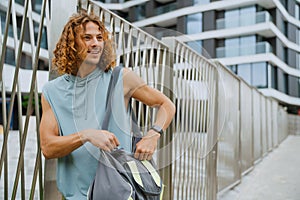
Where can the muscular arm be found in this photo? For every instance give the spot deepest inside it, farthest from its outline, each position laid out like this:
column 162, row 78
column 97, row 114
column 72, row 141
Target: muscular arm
column 136, row 88
column 54, row 146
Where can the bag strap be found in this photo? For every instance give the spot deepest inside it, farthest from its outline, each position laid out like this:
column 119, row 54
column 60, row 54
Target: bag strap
column 108, row 107
column 111, row 87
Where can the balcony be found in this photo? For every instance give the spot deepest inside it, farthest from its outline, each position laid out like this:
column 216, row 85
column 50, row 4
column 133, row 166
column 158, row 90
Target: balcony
column 244, row 20
column 258, row 48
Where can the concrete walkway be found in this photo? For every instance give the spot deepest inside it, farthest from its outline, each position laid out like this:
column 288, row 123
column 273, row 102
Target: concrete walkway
column 276, row 177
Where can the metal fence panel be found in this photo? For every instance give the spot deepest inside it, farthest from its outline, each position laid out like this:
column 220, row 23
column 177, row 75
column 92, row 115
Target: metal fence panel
column 269, row 125
column 194, row 137
column 263, row 122
column 246, row 127
column 228, row 168
column 257, row 132
column 275, row 122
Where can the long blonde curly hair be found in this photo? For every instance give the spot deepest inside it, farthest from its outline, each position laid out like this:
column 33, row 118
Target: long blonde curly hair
column 68, row 57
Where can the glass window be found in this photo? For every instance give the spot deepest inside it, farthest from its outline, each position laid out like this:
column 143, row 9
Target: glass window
column 201, row 2
column 281, row 81
column 26, row 61
column 231, row 18
column 21, row 2
column 247, row 45
column 194, row 23
column 274, row 77
column 37, row 5
column 233, row 68
column 196, row 45
column 293, row 86
column 259, row 75
column 44, row 43
column 298, row 61
column 244, row 71
column 298, row 36
column 297, row 13
column 10, row 57
column 231, row 47
column 141, row 12
column 3, row 20
column 247, row 16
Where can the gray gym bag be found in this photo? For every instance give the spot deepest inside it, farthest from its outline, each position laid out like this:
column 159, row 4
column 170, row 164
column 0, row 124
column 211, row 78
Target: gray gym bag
column 119, row 175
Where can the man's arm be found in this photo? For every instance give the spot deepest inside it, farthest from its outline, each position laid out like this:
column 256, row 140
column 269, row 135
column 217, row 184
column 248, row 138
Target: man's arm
column 54, row 146
column 134, row 87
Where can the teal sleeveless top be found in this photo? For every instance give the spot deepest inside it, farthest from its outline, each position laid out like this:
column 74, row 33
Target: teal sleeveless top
column 78, row 104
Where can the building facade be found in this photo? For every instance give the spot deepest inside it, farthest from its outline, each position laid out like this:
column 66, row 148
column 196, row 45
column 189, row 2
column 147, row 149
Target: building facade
column 258, row 40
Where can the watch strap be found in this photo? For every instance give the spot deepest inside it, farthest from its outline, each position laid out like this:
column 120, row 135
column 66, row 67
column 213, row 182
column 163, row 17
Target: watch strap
column 157, row 129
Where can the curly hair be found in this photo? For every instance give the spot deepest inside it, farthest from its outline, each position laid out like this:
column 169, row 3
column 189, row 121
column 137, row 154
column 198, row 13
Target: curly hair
column 68, row 57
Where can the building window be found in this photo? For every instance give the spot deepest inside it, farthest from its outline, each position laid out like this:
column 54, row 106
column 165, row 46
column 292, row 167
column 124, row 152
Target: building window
column 44, row 43
column 37, row 5
column 166, row 8
column 233, row 68
column 194, row 23
column 247, row 45
column 274, row 78
column 244, row 71
column 231, row 47
column 297, row 11
column 293, row 83
column 10, row 57
column 282, row 81
column 141, row 12
column 196, row 45
column 26, row 61
column 298, row 61
column 255, row 74
column 259, row 75
column 201, row 2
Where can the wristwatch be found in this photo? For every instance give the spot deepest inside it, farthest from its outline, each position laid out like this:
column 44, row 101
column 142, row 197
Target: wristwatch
column 157, row 129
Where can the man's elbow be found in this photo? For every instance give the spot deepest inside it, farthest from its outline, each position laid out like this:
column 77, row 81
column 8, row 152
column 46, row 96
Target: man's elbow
column 47, row 153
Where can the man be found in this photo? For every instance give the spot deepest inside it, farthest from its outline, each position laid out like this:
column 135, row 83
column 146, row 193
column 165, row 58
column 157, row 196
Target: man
column 74, row 106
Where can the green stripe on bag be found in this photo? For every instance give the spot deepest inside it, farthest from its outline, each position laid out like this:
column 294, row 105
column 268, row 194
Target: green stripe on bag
column 135, row 172
column 153, row 172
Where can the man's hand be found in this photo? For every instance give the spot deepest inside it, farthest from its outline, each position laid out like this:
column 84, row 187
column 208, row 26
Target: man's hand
column 146, row 147
column 100, row 138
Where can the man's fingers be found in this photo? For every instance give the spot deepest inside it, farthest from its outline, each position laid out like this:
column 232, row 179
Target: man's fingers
column 116, row 141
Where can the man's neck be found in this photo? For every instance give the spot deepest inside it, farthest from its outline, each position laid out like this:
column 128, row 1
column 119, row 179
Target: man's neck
column 85, row 70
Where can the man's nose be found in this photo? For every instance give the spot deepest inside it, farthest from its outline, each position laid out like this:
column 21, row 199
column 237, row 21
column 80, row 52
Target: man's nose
column 95, row 41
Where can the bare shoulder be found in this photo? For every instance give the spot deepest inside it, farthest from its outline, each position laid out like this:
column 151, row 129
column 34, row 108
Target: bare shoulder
column 131, row 81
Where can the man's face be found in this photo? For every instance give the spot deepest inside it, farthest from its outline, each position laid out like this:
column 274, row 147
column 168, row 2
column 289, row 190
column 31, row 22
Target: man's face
column 93, row 39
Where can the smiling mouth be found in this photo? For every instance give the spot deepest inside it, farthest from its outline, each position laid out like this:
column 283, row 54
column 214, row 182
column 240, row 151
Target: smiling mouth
column 94, row 51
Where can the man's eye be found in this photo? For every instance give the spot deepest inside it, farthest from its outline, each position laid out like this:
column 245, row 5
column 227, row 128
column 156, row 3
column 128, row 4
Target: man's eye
column 99, row 38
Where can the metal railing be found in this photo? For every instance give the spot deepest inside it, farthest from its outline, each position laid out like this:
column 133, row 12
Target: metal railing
column 195, row 132
column 218, row 134
column 21, row 190
column 254, row 125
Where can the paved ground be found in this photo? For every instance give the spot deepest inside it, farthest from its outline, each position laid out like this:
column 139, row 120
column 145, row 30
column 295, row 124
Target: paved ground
column 276, row 177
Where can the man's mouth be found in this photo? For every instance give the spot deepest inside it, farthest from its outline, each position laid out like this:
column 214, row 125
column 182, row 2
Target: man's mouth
column 97, row 51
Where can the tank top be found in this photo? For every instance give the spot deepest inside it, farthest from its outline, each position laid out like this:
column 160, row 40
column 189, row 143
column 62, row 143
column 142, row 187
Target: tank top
column 78, row 104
